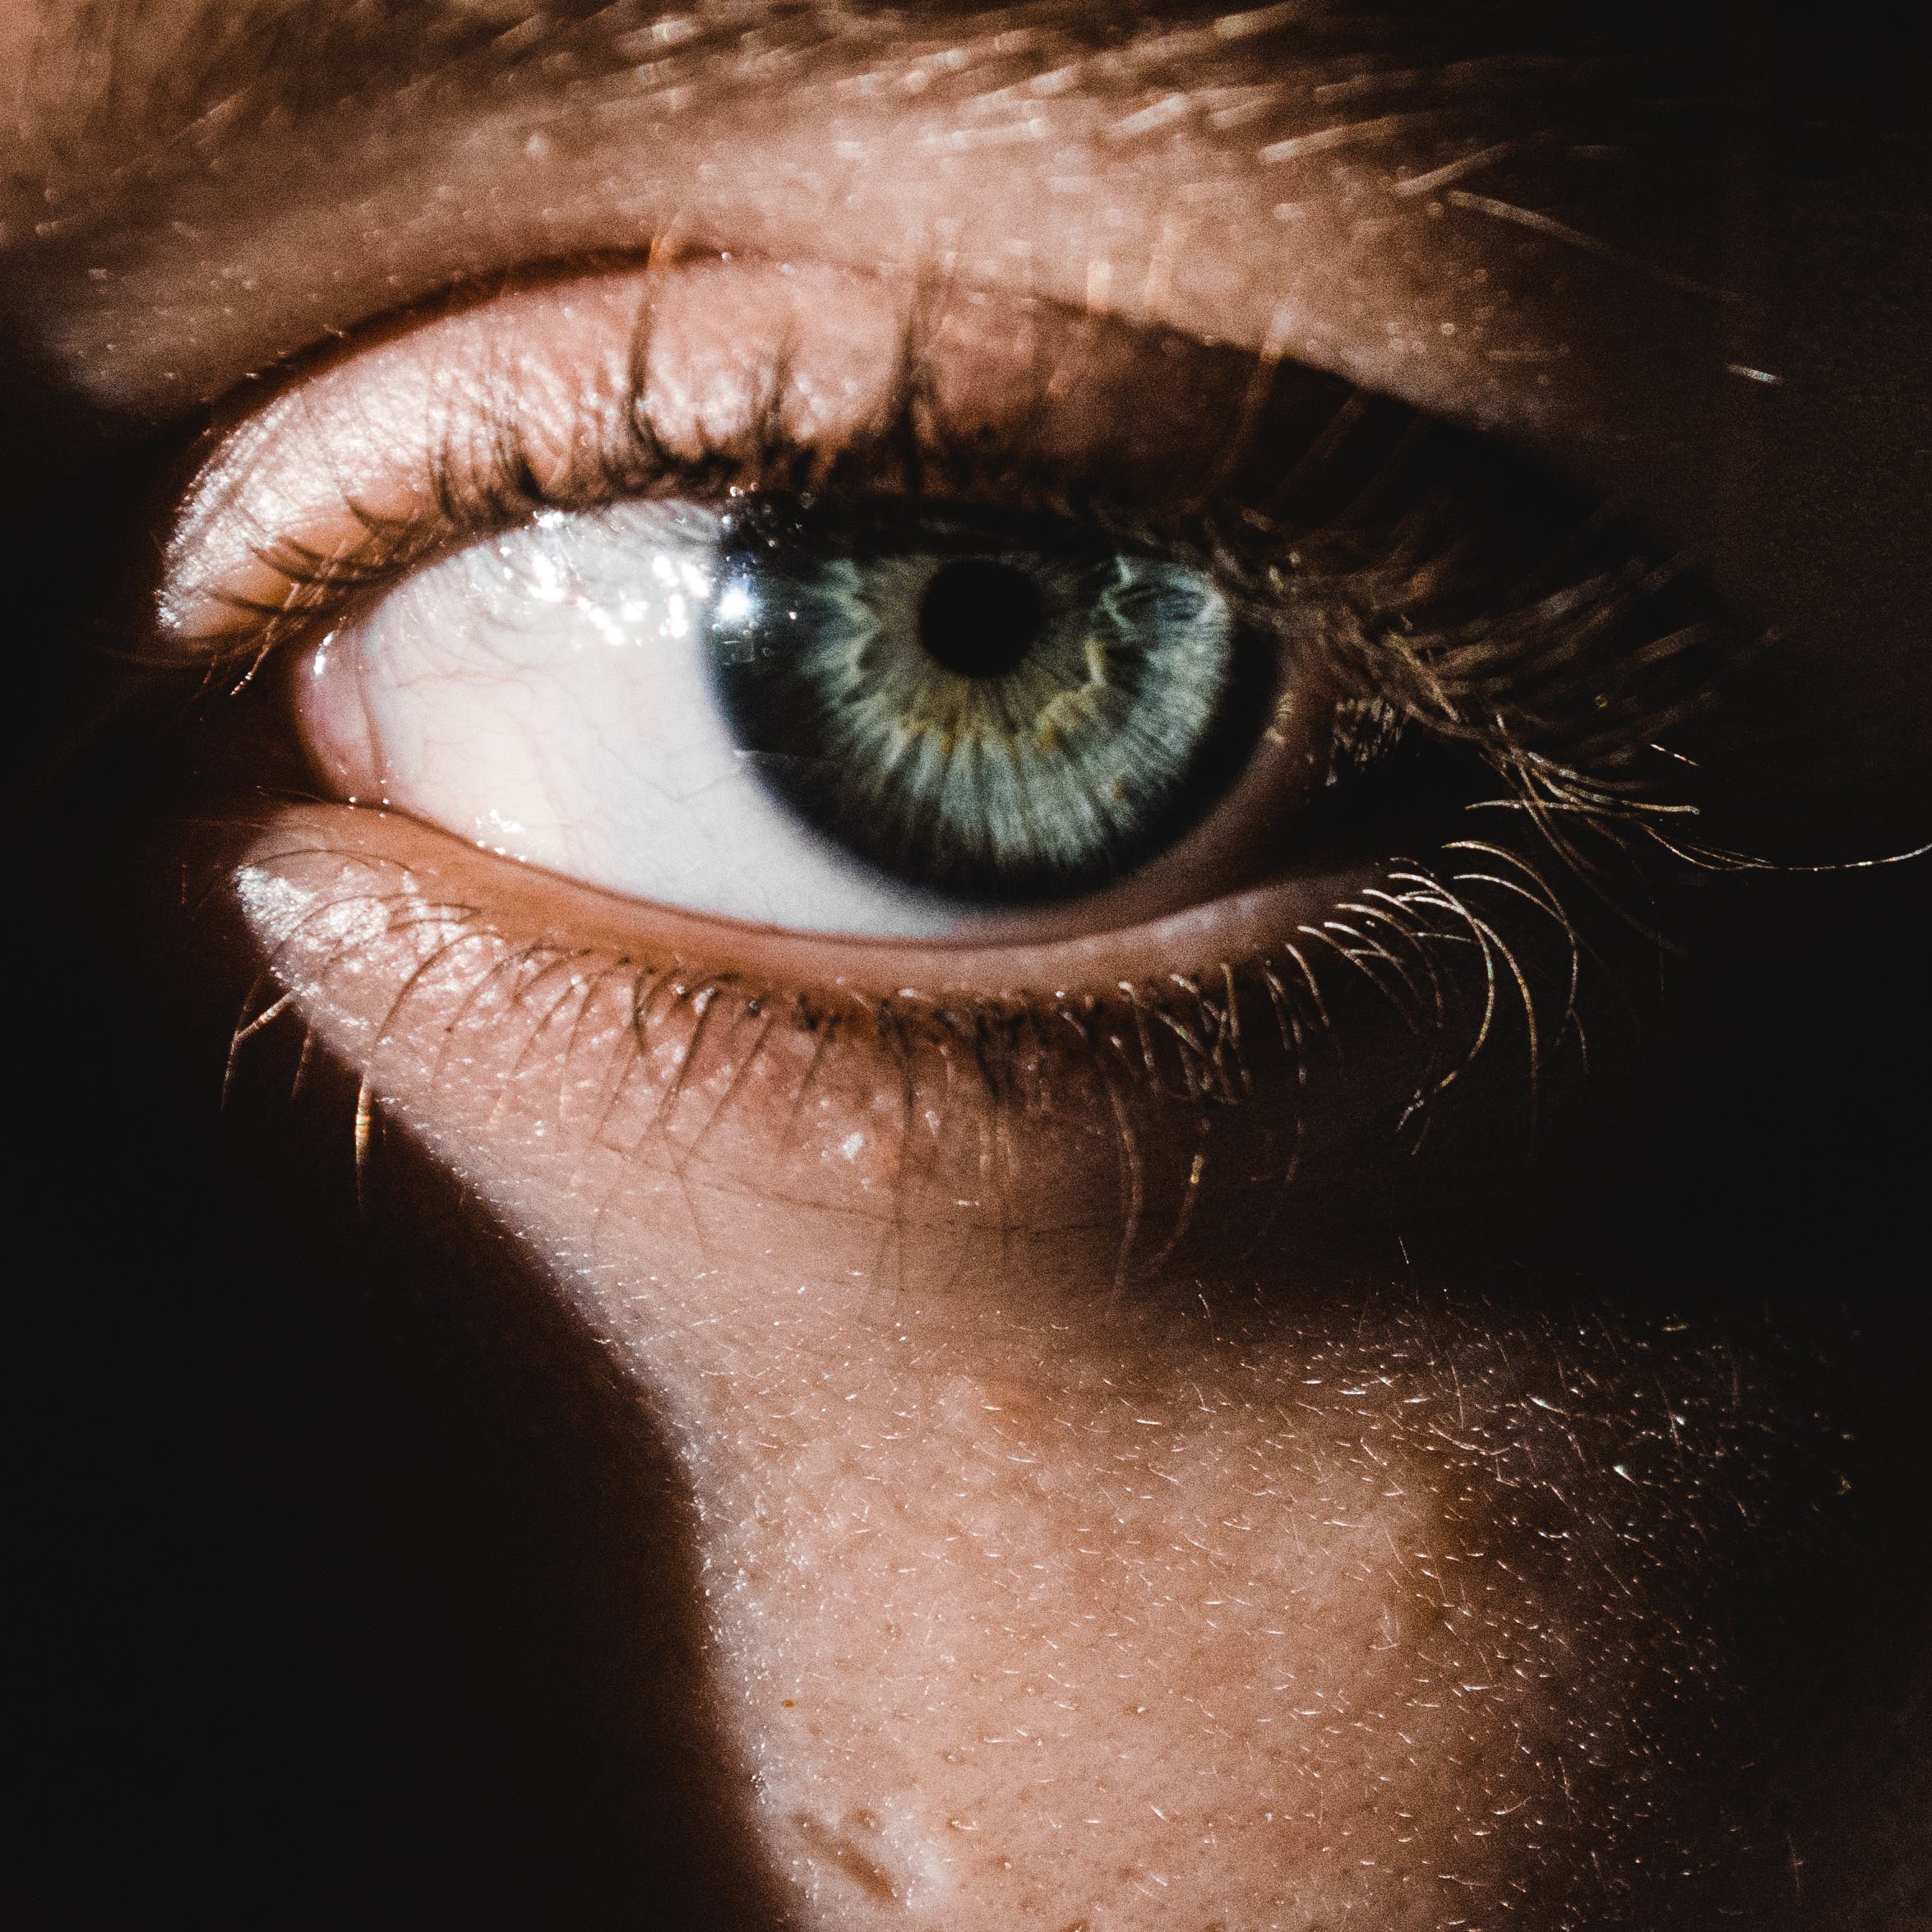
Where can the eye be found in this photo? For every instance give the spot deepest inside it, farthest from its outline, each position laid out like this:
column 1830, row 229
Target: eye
column 784, row 596
column 1005, row 715
column 872, row 718
column 1019, row 703
column 777, row 596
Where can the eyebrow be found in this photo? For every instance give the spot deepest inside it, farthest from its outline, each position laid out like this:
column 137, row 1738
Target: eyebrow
column 122, row 83
column 135, row 91
column 186, row 212
column 91, row 76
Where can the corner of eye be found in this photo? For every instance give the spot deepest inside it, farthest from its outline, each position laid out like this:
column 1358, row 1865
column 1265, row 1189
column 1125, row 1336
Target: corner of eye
column 206, row 616
column 188, row 624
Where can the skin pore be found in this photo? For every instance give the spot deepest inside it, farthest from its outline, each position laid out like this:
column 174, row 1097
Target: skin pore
column 1423, row 1558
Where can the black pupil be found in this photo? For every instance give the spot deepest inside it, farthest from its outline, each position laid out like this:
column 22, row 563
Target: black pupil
column 980, row 618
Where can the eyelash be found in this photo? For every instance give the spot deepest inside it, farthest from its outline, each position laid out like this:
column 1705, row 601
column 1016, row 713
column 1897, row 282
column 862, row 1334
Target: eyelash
column 1558, row 671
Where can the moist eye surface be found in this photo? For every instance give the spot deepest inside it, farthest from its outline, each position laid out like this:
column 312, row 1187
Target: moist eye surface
column 893, row 718
column 999, row 712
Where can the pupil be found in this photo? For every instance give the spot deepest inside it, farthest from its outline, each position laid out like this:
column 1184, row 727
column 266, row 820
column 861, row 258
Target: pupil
column 979, row 619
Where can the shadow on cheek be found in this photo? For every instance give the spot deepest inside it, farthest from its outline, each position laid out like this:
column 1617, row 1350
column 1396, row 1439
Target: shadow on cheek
column 1535, row 1568
column 1415, row 1582
column 541, row 1541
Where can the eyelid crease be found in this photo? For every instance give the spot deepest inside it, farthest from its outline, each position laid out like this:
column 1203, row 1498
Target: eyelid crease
column 821, row 388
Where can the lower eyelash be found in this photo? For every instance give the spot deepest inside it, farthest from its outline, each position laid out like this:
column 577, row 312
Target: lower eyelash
column 1220, row 1088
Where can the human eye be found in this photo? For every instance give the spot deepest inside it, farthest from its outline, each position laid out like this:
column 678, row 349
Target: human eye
column 942, row 665
column 845, row 720
column 857, row 676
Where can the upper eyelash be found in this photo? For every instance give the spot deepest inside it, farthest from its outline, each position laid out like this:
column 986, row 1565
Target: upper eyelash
column 1561, row 680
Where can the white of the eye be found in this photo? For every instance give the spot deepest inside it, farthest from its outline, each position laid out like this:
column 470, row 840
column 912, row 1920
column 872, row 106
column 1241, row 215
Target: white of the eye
column 547, row 694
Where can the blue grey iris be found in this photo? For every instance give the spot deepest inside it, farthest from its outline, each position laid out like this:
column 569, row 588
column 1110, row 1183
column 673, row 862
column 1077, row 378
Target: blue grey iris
column 996, row 717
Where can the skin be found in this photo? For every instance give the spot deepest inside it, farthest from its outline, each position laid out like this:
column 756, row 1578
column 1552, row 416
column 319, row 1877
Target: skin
column 1433, row 1562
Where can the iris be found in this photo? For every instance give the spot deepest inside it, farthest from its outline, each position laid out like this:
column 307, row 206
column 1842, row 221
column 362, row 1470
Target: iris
column 1003, row 712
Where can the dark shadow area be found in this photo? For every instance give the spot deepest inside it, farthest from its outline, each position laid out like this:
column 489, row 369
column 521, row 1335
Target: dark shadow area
column 353, row 1590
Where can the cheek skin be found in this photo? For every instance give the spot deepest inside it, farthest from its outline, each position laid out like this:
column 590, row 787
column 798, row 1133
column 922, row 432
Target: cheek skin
column 1031, row 1603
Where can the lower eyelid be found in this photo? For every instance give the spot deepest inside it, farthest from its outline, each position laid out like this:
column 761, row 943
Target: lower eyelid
column 1109, row 1130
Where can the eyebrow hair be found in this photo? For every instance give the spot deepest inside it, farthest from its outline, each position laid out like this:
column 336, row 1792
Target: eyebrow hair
column 170, row 132
column 101, row 88
column 140, row 86
column 122, row 77
column 97, row 75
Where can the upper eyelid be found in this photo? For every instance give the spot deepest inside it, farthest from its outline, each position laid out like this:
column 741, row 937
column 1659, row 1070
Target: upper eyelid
column 188, row 306
column 458, row 414
column 248, row 496
column 429, row 410
column 443, row 460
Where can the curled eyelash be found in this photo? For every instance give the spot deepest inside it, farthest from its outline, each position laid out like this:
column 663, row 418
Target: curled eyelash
column 1224, row 1098
column 1440, row 588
